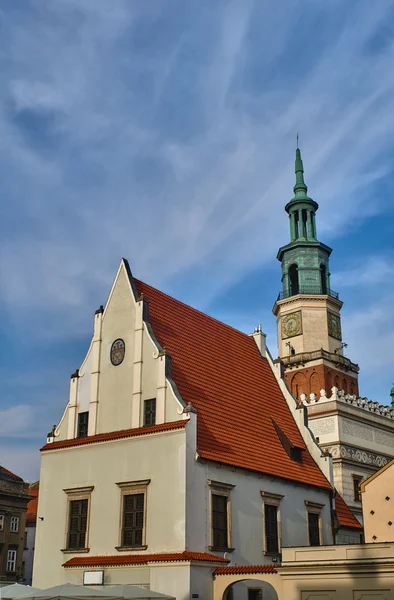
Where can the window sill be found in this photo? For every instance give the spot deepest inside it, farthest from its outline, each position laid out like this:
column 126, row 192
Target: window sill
column 274, row 554
column 128, row 548
column 75, row 550
column 214, row 549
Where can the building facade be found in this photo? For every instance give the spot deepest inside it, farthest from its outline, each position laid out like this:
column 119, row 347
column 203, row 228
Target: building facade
column 307, row 309
column 359, row 435
column 30, row 534
column 14, row 497
column 180, row 449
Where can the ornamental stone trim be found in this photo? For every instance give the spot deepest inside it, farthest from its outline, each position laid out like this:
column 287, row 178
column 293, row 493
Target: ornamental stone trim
column 342, row 396
column 322, row 426
column 364, row 457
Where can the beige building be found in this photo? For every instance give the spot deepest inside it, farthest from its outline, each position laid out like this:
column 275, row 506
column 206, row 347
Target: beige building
column 180, row 449
column 377, row 493
column 363, row 572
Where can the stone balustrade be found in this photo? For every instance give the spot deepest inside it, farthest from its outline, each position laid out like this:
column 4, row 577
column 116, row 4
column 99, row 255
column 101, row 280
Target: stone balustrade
column 341, row 396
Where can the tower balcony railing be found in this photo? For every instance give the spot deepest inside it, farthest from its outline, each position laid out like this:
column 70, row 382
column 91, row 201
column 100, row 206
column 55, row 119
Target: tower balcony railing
column 308, row 290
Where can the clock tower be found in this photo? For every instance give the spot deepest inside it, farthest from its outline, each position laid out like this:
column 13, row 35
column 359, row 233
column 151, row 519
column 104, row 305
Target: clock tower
column 307, row 309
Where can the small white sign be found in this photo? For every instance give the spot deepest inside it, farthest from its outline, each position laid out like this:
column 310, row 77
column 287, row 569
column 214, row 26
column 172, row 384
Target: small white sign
column 94, row 577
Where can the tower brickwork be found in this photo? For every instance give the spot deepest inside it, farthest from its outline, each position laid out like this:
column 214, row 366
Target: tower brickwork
column 307, row 309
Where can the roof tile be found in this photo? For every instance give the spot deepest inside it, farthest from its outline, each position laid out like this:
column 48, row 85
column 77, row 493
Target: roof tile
column 222, row 373
column 115, row 435
column 139, row 559
column 245, row 570
column 345, row 516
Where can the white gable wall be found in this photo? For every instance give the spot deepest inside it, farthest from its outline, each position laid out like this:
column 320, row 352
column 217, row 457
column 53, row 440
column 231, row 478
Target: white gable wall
column 115, row 395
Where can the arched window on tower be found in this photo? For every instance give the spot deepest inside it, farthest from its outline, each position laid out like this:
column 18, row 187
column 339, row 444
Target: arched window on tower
column 304, row 232
column 352, row 388
column 336, row 382
column 314, row 384
column 344, row 385
column 323, row 279
column 299, row 385
column 296, row 225
column 293, row 277
column 329, row 382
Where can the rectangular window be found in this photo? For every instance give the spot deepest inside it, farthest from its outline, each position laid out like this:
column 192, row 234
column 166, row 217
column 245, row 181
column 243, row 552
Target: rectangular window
column 25, row 541
column 150, row 412
column 11, row 561
column 83, row 422
column 1, row 522
column 77, row 524
column 314, row 528
column 14, row 527
column 356, row 487
column 133, row 520
column 271, row 521
column 271, row 529
column 220, row 512
column 219, row 521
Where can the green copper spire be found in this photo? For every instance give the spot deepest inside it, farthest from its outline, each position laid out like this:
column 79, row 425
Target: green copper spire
column 305, row 260
column 300, row 185
column 300, row 188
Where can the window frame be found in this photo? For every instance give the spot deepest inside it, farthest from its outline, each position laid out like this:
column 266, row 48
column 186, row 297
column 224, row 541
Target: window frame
column 129, row 488
column 144, row 423
column 272, row 500
column 218, row 488
column 75, row 494
column 11, row 561
column 2, row 522
column 357, row 494
column 315, row 509
column 83, row 412
column 14, row 524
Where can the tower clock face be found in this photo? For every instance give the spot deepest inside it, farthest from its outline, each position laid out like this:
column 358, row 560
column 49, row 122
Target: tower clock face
column 117, row 353
column 334, row 326
column 291, row 324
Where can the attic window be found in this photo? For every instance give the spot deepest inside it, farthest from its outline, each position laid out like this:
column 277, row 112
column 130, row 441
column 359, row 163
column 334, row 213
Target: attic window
column 295, row 452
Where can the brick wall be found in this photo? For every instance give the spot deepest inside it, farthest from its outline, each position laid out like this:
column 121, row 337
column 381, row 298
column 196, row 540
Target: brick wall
column 312, row 379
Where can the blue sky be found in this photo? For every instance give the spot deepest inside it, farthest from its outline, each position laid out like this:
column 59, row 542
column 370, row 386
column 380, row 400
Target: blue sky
column 164, row 132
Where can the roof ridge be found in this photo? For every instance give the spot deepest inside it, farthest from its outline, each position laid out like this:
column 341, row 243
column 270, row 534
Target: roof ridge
column 197, row 310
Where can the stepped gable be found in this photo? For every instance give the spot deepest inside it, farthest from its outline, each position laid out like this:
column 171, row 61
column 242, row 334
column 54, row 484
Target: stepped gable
column 238, row 399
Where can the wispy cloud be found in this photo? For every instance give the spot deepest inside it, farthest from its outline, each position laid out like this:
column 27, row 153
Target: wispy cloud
column 17, row 421
column 164, row 132
column 369, row 270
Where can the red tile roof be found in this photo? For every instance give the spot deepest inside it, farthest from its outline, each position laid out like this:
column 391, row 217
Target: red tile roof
column 31, row 515
column 345, row 516
column 245, row 570
column 9, row 474
column 140, row 559
column 222, row 373
column 115, row 435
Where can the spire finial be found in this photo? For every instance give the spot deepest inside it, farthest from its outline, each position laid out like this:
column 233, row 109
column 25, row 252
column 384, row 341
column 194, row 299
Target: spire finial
column 300, row 186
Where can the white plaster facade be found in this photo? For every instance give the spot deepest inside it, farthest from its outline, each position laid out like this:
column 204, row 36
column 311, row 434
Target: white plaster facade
column 177, row 481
